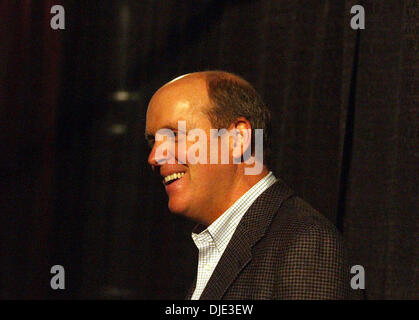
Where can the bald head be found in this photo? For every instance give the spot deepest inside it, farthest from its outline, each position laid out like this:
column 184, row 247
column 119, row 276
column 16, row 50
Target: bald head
column 184, row 97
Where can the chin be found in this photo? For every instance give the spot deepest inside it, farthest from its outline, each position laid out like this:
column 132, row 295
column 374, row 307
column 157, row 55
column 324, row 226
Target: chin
column 180, row 208
column 176, row 207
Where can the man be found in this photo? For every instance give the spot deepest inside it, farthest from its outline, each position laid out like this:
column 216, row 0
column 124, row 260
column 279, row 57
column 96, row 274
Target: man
column 256, row 238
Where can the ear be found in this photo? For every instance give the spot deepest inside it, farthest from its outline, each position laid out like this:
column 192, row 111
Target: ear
column 242, row 137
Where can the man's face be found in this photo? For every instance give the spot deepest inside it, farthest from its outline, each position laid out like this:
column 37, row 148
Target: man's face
column 201, row 188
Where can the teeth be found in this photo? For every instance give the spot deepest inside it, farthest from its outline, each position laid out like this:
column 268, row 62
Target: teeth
column 173, row 176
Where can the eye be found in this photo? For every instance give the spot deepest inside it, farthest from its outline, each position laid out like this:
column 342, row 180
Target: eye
column 175, row 135
column 150, row 143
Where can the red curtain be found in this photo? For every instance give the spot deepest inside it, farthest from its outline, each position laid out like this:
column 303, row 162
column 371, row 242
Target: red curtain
column 29, row 62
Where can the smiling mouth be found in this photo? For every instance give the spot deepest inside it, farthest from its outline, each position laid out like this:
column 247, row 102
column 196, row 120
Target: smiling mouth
column 173, row 177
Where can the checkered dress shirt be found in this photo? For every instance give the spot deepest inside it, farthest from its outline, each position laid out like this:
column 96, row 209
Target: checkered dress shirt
column 212, row 241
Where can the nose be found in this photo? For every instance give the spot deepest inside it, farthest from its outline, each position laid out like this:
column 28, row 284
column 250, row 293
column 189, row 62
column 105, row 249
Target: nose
column 159, row 155
column 152, row 161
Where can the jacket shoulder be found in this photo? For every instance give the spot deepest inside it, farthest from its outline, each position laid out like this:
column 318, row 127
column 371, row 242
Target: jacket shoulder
column 306, row 254
column 296, row 218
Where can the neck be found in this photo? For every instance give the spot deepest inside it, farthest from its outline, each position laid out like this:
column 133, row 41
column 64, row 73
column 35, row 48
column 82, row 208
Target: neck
column 241, row 183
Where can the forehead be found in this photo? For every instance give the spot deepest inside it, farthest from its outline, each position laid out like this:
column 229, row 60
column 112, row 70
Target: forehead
column 185, row 99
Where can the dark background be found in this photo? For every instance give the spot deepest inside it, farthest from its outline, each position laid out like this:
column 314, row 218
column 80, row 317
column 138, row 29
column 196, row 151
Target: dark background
column 75, row 186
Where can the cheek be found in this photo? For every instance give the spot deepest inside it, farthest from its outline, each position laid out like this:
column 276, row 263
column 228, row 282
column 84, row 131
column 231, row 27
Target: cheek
column 201, row 174
column 181, row 151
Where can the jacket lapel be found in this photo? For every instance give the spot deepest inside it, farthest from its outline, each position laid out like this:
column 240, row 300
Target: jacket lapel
column 250, row 229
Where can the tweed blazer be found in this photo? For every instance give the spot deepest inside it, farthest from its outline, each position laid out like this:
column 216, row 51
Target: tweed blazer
column 281, row 249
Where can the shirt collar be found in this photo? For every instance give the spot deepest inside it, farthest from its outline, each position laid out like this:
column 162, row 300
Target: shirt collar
column 222, row 229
